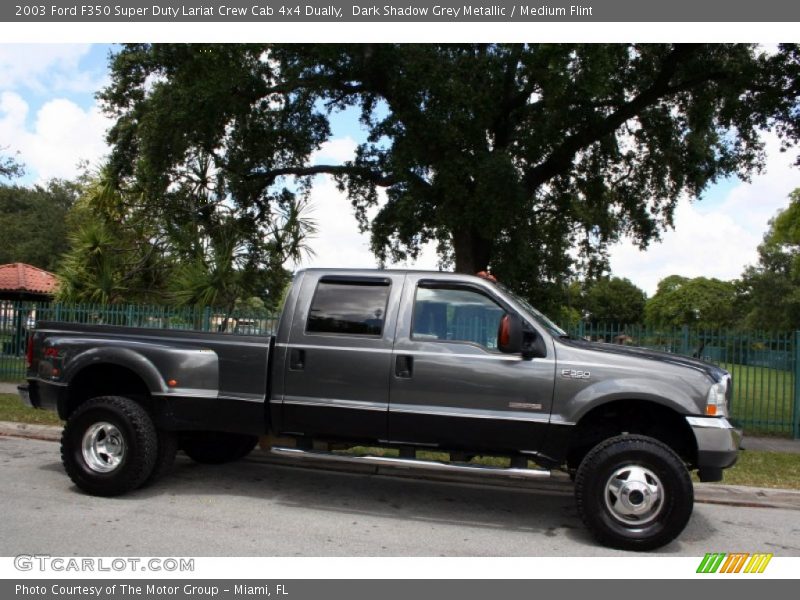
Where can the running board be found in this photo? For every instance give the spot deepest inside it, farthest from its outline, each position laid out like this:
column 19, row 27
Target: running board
column 408, row 463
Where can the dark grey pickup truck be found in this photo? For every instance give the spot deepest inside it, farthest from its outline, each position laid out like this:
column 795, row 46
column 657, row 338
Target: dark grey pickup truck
column 407, row 360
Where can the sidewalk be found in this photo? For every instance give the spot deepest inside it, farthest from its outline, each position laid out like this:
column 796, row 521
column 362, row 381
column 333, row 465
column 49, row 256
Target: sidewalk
column 771, row 444
column 8, row 388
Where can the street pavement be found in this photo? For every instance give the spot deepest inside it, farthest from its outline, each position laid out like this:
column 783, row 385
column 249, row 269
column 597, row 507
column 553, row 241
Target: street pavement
column 257, row 508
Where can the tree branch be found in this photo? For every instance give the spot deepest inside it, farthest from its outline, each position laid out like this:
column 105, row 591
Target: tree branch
column 561, row 157
column 379, row 179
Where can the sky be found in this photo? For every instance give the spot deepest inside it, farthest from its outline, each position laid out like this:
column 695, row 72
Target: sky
column 49, row 115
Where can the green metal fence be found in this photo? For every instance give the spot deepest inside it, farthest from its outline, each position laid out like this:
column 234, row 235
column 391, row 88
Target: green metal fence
column 765, row 367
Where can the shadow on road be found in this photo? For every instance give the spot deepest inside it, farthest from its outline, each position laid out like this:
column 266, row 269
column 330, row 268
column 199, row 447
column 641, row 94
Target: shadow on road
column 400, row 499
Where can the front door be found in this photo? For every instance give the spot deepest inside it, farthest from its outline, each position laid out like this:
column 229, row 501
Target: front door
column 450, row 384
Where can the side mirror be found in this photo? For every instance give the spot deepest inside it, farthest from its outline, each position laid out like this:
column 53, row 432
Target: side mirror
column 515, row 337
column 533, row 345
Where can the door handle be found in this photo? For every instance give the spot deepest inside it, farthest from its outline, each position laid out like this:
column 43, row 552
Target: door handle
column 404, row 366
column 297, row 359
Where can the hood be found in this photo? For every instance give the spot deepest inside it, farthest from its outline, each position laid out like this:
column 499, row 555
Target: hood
column 713, row 371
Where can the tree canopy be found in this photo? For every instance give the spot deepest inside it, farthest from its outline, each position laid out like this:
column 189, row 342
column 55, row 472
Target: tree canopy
column 770, row 290
column 191, row 249
column 506, row 155
column 701, row 302
column 33, row 223
column 614, row 300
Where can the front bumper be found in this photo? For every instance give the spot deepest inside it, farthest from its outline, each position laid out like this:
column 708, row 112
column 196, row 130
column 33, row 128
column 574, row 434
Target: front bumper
column 717, row 445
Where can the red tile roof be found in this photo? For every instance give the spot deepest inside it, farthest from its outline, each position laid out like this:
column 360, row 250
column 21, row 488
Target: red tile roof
column 19, row 277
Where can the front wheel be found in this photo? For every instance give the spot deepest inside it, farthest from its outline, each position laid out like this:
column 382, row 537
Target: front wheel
column 634, row 493
column 109, row 446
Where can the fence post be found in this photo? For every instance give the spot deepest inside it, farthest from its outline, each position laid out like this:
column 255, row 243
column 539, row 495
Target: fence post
column 207, row 318
column 685, row 340
column 796, row 408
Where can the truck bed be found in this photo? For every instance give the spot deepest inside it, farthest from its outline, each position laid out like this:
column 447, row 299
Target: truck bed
column 200, row 376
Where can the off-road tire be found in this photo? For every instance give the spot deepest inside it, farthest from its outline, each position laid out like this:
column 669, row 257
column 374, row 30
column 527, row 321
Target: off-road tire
column 165, row 455
column 603, row 472
column 134, row 436
column 215, row 447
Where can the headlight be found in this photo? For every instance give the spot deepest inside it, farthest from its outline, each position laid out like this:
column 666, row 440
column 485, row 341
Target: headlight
column 716, row 405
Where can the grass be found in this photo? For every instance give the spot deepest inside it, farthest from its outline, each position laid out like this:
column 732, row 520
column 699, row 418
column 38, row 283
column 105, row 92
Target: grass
column 12, row 409
column 765, row 469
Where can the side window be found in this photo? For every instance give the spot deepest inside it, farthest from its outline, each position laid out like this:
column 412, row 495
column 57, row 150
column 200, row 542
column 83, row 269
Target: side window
column 456, row 315
column 356, row 307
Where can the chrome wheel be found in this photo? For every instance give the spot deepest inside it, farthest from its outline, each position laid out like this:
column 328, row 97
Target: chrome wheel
column 103, row 447
column 634, row 495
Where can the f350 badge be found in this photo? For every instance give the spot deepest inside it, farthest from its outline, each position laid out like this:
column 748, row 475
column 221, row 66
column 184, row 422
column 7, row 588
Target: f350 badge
column 575, row 374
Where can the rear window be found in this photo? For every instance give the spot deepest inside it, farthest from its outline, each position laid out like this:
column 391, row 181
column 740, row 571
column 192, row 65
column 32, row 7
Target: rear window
column 349, row 307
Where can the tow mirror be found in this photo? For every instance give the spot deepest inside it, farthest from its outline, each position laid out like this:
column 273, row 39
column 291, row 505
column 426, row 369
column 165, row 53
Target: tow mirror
column 533, row 345
column 515, row 337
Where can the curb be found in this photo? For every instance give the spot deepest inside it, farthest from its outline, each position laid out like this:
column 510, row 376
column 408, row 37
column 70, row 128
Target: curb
column 48, row 433
column 558, row 484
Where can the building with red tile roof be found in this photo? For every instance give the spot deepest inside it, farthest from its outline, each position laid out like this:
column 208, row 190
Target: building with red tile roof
column 19, row 281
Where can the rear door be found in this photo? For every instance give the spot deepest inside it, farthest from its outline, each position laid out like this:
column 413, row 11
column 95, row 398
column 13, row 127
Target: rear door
column 337, row 362
column 451, row 386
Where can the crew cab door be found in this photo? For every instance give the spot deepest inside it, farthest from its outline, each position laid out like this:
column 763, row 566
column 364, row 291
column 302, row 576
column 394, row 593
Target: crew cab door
column 337, row 362
column 450, row 385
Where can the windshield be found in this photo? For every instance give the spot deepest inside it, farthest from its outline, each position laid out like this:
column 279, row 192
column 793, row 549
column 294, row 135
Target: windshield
column 537, row 316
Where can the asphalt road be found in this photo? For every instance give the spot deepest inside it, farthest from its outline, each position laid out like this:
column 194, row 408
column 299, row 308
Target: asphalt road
column 255, row 509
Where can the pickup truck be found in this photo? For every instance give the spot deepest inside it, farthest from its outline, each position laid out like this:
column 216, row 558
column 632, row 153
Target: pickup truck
column 406, row 360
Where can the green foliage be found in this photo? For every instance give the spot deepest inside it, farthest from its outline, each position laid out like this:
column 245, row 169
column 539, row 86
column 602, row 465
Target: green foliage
column 503, row 154
column 770, row 291
column 700, row 302
column 114, row 255
column 187, row 246
column 614, row 300
column 33, row 223
column 9, row 167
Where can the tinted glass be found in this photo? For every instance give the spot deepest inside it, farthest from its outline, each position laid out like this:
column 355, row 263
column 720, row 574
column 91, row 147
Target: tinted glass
column 345, row 307
column 456, row 315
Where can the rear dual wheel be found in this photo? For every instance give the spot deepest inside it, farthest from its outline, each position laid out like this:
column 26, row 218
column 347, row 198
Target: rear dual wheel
column 110, row 446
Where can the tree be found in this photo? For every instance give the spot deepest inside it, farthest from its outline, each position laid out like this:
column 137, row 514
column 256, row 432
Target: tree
column 116, row 255
column 700, row 302
column 33, row 223
column 9, row 167
column 504, row 155
column 614, row 300
column 770, row 290
column 188, row 246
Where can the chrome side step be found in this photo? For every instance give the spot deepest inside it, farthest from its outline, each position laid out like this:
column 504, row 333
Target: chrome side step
column 408, row 463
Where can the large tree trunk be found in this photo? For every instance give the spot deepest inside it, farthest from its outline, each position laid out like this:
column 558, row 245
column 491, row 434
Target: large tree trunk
column 472, row 251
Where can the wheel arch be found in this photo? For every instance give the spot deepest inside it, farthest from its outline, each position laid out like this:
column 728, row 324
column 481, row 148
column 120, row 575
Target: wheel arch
column 633, row 416
column 104, row 379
